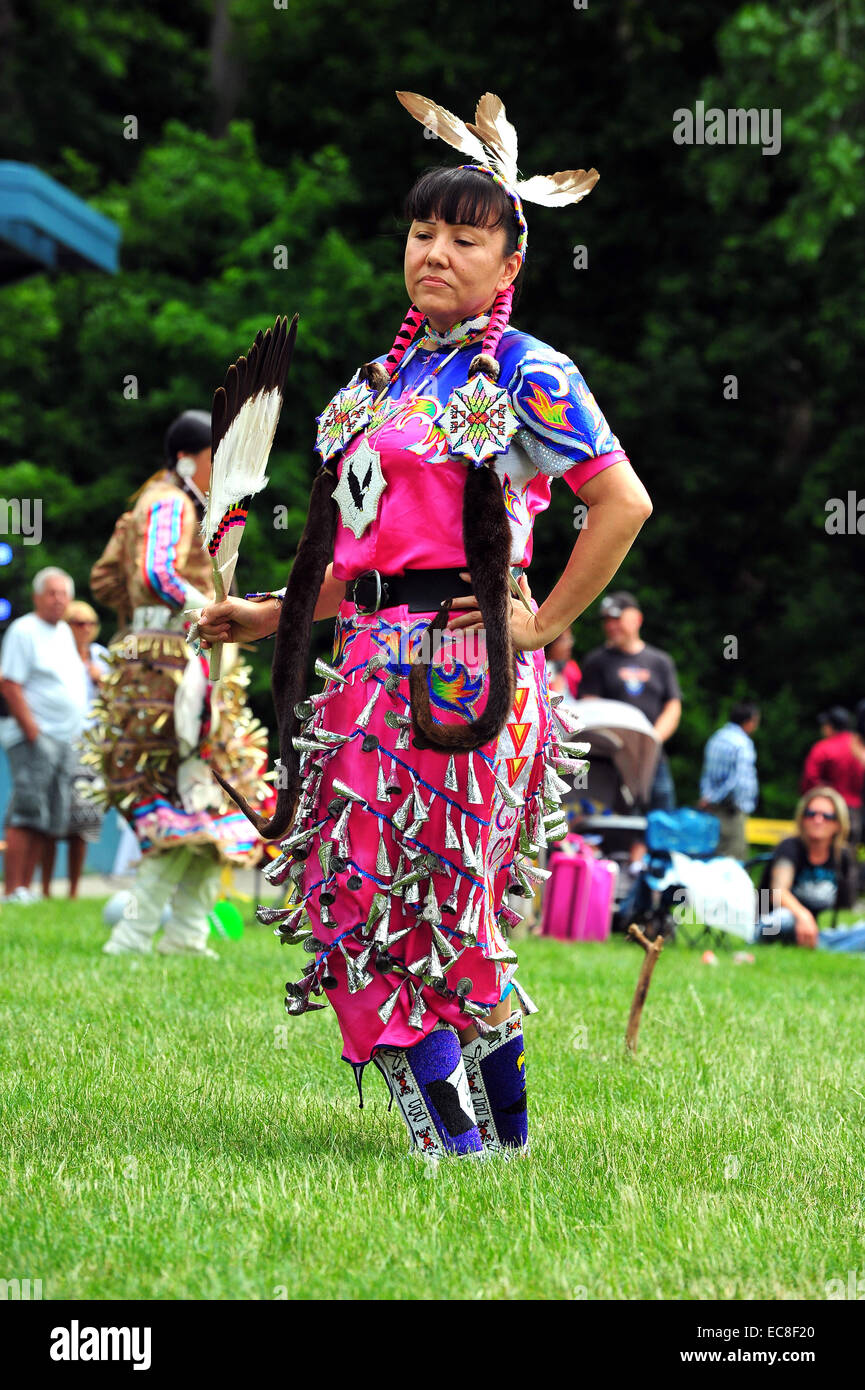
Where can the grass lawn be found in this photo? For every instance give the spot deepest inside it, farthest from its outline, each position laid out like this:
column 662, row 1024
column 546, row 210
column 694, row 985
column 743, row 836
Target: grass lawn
column 169, row 1133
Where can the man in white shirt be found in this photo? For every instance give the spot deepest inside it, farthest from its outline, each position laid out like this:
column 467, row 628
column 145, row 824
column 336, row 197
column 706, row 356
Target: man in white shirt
column 45, row 688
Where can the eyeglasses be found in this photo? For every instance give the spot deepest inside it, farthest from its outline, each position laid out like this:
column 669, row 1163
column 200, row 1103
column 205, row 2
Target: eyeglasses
column 823, row 815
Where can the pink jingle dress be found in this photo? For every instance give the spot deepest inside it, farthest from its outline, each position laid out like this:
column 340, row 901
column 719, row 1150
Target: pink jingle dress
column 402, row 871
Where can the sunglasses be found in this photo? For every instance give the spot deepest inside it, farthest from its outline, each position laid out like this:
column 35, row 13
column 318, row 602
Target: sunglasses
column 823, row 815
column 82, row 622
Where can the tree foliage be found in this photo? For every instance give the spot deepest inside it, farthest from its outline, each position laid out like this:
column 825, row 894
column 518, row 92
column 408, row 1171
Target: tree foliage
column 263, row 127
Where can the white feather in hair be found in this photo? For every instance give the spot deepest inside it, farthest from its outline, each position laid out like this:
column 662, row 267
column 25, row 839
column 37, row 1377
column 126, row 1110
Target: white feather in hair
column 443, row 124
column 498, row 135
column 555, row 190
column 492, row 141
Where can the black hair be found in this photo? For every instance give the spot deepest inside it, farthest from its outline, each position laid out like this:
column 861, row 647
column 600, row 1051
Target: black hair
column 742, row 711
column 465, row 196
column 188, row 434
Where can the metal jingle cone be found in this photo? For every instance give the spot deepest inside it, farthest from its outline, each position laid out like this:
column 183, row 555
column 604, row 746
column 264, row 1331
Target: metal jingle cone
column 570, row 765
column 508, row 795
column 398, row 935
column 555, row 786
column 294, row 842
column 356, row 980
column 381, row 791
column 363, row 718
column 383, row 866
column 451, row 783
column 469, row 860
column 374, row 664
column 362, row 961
column 475, row 1010
column 392, row 683
column 474, row 792
column 325, row 855
column 326, row 672
column 312, row 945
column 386, row 1009
column 412, row 876
column 397, row 721
column 465, row 922
column 402, row 741
column 309, row 745
column 449, row 905
column 340, row 832
column 419, row 966
column 342, row 788
column 421, row 812
column 418, row 1009
column 288, row 916
column 444, row 948
column 412, row 894
column 393, row 782
column 327, row 979
column 401, row 814
column 534, row 873
column 524, row 838
column 296, row 871
column 566, row 720
column 330, row 736
column 278, row 869
column 431, row 911
column 381, row 936
column 435, row 971
column 574, row 750
column 557, row 831
column 328, row 921
column 378, row 908
column 519, row 884
column 304, row 710
column 452, row 839
column 556, row 698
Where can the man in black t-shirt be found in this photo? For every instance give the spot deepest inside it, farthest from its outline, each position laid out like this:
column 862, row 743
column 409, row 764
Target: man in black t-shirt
column 628, row 669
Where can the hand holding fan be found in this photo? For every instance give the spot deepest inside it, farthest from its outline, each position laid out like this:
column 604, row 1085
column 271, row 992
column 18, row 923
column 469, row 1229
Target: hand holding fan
column 244, row 417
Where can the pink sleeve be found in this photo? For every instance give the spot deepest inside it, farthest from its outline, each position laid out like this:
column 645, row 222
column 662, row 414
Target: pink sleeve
column 582, row 472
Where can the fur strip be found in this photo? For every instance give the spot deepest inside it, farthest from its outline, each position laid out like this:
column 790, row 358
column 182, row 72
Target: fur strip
column 288, row 673
column 487, row 539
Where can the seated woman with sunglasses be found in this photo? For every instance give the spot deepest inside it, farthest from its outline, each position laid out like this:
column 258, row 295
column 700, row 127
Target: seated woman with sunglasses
column 811, row 873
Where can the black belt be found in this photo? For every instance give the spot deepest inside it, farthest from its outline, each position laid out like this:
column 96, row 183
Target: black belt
column 422, row 591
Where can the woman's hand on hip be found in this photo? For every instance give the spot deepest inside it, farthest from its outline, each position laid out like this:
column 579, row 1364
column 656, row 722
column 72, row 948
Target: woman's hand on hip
column 466, row 616
column 238, row 620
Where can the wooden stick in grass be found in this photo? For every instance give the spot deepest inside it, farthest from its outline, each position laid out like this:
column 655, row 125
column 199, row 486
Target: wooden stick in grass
column 652, row 950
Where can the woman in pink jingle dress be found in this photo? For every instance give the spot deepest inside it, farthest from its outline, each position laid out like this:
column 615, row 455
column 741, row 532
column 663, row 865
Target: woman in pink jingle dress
column 402, row 855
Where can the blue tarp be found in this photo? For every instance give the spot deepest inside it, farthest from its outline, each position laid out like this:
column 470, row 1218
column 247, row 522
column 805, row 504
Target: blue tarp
column 45, row 227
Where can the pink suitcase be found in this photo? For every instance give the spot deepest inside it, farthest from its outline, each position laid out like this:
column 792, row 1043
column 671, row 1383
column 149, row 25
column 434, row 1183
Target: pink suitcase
column 578, row 901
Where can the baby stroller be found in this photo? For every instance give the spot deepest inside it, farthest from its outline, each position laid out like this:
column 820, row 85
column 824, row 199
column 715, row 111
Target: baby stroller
column 684, row 890
column 608, row 806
